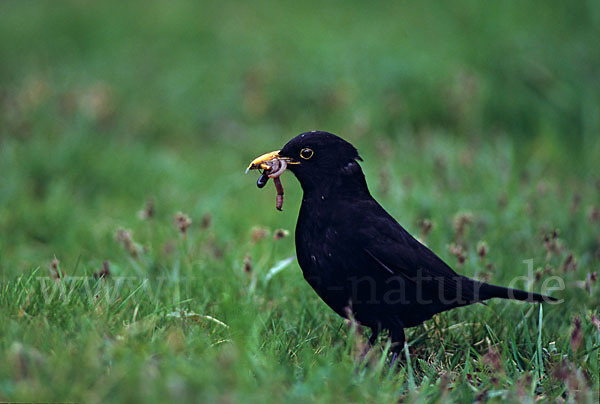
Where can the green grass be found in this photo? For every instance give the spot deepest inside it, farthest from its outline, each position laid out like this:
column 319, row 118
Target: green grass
column 462, row 110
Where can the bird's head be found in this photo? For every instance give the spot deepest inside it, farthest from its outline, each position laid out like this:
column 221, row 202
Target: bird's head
column 320, row 160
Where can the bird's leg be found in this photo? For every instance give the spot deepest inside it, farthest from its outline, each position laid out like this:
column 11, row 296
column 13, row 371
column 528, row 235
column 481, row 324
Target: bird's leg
column 372, row 340
column 398, row 340
column 394, row 359
column 374, row 335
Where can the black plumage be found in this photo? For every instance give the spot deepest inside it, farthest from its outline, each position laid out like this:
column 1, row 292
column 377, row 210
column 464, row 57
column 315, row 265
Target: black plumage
column 358, row 258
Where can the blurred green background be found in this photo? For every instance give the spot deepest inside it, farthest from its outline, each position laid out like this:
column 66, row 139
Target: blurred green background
column 105, row 104
column 490, row 108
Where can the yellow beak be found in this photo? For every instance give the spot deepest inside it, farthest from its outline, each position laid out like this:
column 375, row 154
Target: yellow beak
column 261, row 161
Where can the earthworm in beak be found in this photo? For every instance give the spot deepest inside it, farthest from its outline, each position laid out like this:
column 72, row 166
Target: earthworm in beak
column 273, row 166
column 278, row 168
column 279, row 197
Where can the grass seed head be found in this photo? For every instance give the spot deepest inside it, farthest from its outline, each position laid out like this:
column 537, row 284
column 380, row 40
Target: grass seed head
column 125, row 238
column 460, row 223
column 576, row 335
column 552, row 244
column 482, row 249
column 248, row 263
column 104, row 272
column 459, row 252
column 149, row 210
column 426, row 226
column 542, row 273
column 182, row 222
column 56, row 271
column 280, row 233
column 258, row 233
column 570, row 263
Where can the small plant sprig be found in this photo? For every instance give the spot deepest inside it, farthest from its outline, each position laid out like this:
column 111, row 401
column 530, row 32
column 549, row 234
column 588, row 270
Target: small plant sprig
column 104, row 273
column 56, row 271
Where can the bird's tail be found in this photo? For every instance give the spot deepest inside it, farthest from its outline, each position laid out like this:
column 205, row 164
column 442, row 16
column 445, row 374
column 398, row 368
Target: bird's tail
column 491, row 291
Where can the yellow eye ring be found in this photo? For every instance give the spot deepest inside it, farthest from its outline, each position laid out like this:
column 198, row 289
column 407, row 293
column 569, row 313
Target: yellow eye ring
column 306, row 153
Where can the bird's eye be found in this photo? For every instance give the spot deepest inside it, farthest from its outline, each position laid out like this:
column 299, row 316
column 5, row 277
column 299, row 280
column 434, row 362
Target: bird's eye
column 306, row 153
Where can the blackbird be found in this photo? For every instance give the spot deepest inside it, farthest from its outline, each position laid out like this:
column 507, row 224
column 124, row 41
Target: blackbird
column 357, row 257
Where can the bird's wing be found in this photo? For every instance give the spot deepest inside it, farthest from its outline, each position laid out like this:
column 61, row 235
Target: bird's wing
column 395, row 252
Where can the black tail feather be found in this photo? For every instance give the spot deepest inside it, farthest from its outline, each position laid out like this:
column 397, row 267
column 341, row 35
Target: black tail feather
column 491, row 291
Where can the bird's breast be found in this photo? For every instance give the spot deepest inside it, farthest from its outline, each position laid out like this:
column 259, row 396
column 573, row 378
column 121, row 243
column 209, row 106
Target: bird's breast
column 318, row 236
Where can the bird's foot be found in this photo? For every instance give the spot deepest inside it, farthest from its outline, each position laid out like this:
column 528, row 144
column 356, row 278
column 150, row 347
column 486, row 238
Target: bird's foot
column 395, row 360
